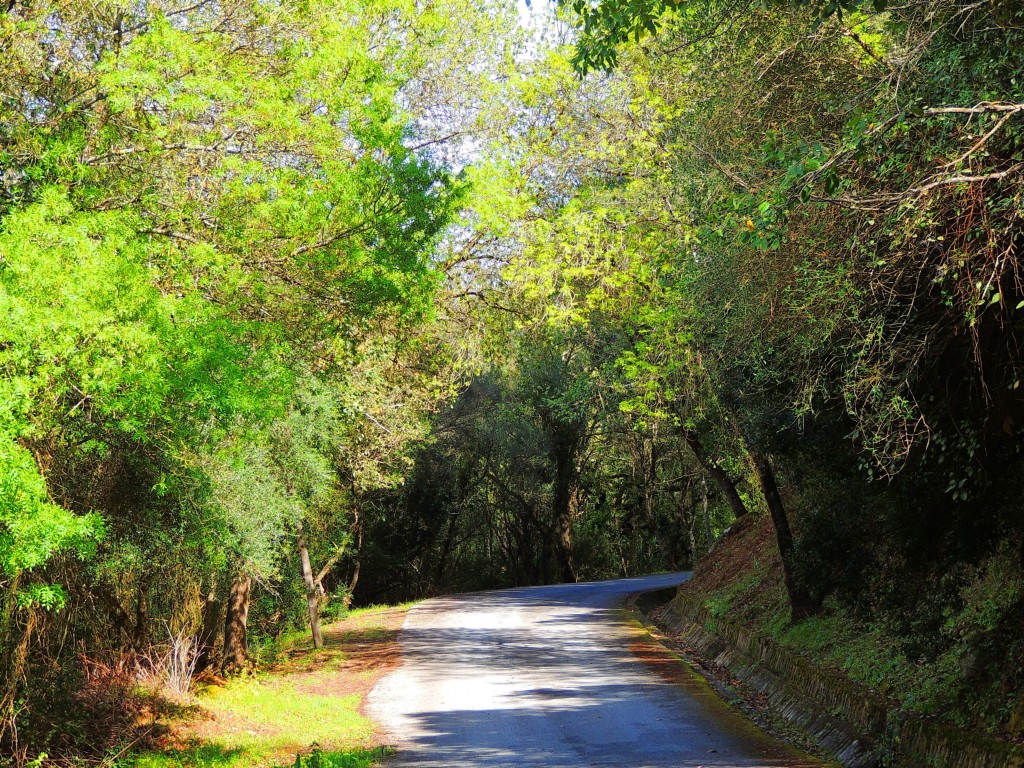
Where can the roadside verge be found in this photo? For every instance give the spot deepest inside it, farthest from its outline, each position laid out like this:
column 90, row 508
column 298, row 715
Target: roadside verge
column 862, row 728
column 304, row 707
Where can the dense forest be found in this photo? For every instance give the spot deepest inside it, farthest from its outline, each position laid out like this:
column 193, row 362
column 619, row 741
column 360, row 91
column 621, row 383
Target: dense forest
column 306, row 303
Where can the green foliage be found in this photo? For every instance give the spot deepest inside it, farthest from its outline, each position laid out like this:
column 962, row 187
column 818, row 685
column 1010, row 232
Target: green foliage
column 606, row 26
column 991, row 590
column 719, row 604
column 378, row 270
column 317, row 758
column 218, row 229
column 212, row 756
column 805, row 260
column 278, row 713
column 32, row 529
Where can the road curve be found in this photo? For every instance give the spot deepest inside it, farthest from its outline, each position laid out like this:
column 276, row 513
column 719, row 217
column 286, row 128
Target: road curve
column 547, row 676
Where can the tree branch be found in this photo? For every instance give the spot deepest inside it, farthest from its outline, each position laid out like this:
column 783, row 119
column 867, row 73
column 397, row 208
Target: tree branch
column 978, row 109
column 331, row 562
column 171, row 233
column 995, row 176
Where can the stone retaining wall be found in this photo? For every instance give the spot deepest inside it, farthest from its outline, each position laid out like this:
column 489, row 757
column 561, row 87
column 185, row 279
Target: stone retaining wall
column 861, row 727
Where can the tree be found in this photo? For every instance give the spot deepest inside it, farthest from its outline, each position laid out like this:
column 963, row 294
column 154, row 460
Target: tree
column 202, row 208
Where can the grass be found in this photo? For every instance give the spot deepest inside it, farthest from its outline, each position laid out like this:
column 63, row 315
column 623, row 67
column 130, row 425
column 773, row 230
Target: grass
column 720, row 602
column 735, row 587
column 213, row 756
column 305, row 706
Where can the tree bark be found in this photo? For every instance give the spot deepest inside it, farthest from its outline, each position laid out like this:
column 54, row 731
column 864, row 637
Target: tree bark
column 332, row 561
column 719, row 475
column 122, row 621
column 707, row 515
column 141, row 614
column 566, row 566
column 17, row 625
column 9, row 668
column 446, row 547
column 688, row 517
column 357, row 526
column 311, row 597
column 566, row 441
column 645, row 463
column 208, row 634
column 800, row 603
column 236, row 619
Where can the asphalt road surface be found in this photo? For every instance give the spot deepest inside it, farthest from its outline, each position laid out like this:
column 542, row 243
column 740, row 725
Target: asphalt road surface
column 556, row 677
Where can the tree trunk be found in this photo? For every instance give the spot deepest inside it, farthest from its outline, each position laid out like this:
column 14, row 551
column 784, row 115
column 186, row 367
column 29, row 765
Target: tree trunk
column 566, row 566
column 122, row 621
column 311, row 597
column 208, row 634
column 236, row 619
column 719, row 475
column 357, row 526
column 318, row 580
column 800, row 603
column 688, row 516
column 645, row 463
column 141, row 614
column 16, row 639
column 563, row 454
column 707, row 515
column 446, row 548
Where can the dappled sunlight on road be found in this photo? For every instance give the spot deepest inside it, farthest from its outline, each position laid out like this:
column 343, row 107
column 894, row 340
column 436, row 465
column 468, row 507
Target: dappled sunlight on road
column 548, row 676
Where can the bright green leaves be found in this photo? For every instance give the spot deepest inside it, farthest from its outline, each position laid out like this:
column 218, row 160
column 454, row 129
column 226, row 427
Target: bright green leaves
column 218, row 235
column 289, row 158
column 90, row 336
column 82, row 319
column 32, row 529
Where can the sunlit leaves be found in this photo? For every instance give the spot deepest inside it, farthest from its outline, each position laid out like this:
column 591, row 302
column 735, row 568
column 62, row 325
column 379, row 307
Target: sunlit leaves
column 203, row 205
column 32, row 528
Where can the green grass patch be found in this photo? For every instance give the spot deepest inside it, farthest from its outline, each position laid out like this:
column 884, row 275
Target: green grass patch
column 361, row 620
column 299, row 713
column 261, row 721
column 279, row 710
column 719, row 603
column 213, row 756
column 867, row 653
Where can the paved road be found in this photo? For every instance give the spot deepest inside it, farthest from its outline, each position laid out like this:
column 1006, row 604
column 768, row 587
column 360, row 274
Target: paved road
column 552, row 676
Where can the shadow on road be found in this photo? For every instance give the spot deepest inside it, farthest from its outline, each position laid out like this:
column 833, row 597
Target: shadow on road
column 546, row 677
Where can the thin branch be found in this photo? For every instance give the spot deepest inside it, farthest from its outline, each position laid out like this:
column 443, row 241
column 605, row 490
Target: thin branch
column 145, row 23
column 329, row 241
column 160, row 147
column 331, row 562
column 865, row 47
column 172, row 234
column 978, row 109
column 995, row 176
column 441, row 140
column 372, row 419
column 715, row 162
column 982, row 140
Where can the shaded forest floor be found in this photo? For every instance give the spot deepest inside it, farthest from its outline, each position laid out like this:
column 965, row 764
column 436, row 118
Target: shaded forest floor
column 302, row 701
